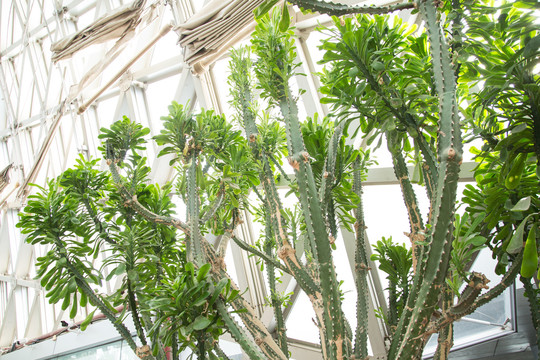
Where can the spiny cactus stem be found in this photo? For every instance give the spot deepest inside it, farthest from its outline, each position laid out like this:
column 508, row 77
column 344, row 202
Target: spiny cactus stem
column 361, row 265
column 534, row 302
column 219, row 352
column 254, row 325
column 338, row 9
column 238, row 333
column 272, row 200
column 131, row 200
column 276, row 303
column 402, row 174
column 96, row 300
column 449, row 150
column 280, row 168
column 446, row 335
column 134, row 313
column 330, row 167
column 451, row 316
column 194, row 251
column 316, row 229
column 99, row 225
column 253, row 250
column 214, row 207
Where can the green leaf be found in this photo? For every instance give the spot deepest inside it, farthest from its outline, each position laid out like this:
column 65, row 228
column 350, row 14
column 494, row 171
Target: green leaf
column 530, row 254
column 264, row 8
column 285, row 18
column 516, row 242
column 74, row 307
column 477, row 240
column 65, row 303
column 532, row 47
column 522, row 205
column 219, row 287
column 87, row 321
column 203, row 271
column 201, row 322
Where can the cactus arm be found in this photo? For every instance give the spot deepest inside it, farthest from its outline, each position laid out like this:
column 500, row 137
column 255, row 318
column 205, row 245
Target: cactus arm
column 409, row 195
column 268, row 259
column 219, row 352
column 242, row 93
column 98, row 224
column 105, row 310
column 246, row 312
column 408, row 340
column 446, row 334
column 361, row 267
column 134, row 313
column 459, row 310
column 131, row 200
column 276, row 304
column 214, row 207
column 333, row 315
column 238, row 333
column 329, row 178
column 98, row 302
column 194, row 251
column 95, row 300
column 280, row 168
column 338, row 9
column 534, row 301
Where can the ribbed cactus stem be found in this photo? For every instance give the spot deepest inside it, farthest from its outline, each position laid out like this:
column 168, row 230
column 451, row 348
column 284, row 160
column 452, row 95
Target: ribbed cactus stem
column 427, row 289
column 338, row 9
column 97, row 222
column 446, row 335
column 532, row 295
column 253, row 250
column 97, row 301
column 209, row 214
column 272, row 202
column 451, row 315
column 134, row 313
column 194, row 251
column 409, row 196
column 131, row 200
column 361, row 267
column 246, row 312
column 238, row 333
column 329, row 167
column 276, row 303
column 334, row 320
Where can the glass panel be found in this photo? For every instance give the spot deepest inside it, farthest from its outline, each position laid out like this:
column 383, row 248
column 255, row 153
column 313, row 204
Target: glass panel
column 491, row 320
column 106, row 352
column 300, row 324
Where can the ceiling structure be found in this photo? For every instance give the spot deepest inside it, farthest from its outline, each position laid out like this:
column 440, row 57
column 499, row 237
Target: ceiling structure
column 70, row 67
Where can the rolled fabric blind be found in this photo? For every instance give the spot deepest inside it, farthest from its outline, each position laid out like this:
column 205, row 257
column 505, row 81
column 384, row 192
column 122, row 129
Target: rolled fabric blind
column 214, row 29
column 105, row 28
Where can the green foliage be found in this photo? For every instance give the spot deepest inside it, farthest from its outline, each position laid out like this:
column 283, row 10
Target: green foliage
column 396, row 261
column 388, row 69
column 124, row 135
column 186, row 303
column 467, row 243
column 276, row 56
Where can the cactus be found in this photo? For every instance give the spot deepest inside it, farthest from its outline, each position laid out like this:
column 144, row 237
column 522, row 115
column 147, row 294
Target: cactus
column 175, row 283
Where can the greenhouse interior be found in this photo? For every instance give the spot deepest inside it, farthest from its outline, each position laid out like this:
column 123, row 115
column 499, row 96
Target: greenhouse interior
column 269, row 179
